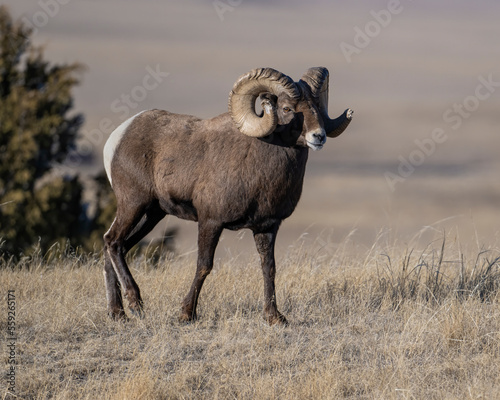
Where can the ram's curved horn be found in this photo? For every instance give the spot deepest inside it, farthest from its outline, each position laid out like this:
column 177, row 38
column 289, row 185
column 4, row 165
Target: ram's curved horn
column 246, row 90
column 317, row 81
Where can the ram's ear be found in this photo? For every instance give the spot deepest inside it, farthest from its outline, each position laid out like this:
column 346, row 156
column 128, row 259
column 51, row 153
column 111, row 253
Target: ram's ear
column 268, row 102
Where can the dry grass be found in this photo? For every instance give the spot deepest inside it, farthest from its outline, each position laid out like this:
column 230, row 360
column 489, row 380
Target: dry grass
column 390, row 322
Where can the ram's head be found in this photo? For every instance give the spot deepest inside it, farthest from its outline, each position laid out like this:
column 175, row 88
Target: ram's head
column 286, row 103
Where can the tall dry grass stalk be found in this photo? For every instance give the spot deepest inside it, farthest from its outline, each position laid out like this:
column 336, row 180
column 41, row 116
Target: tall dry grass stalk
column 389, row 322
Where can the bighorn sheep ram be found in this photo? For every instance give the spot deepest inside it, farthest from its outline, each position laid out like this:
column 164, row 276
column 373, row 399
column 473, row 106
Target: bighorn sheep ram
column 237, row 170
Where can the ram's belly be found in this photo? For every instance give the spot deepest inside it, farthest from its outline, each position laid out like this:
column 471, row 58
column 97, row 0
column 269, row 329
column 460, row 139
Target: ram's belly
column 183, row 209
column 238, row 206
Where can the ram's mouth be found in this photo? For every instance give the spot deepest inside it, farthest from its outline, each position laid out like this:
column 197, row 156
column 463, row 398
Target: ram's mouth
column 314, row 146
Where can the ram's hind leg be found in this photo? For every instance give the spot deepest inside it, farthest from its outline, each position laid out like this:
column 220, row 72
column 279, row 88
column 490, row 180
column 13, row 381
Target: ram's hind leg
column 128, row 215
column 113, row 291
column 153, row 215
column 121, row 237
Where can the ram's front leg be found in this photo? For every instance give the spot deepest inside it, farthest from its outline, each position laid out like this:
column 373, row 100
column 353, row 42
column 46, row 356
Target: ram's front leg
column 265, row 246
column 208, row 237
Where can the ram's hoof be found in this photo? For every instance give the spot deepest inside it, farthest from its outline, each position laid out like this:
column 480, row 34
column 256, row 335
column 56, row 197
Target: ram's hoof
column 277, row 318
column 118, row 315
column 187, row 318
column 137, row 309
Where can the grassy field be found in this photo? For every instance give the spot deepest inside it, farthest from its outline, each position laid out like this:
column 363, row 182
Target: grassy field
column 389, row 322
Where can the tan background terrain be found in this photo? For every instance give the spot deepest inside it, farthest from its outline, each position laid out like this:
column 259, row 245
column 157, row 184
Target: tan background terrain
column 400, row 82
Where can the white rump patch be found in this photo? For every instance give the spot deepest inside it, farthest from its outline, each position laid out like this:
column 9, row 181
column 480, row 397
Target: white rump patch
column 113, row 142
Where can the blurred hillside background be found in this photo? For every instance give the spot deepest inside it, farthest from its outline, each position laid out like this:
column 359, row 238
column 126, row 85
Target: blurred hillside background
column 421, row 155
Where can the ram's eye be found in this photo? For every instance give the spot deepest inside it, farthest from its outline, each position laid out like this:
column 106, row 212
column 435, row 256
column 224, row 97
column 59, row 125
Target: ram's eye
column 287, row 109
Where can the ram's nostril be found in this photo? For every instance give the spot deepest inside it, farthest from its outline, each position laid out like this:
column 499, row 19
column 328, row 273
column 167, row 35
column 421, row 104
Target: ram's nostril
column 319, row 136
